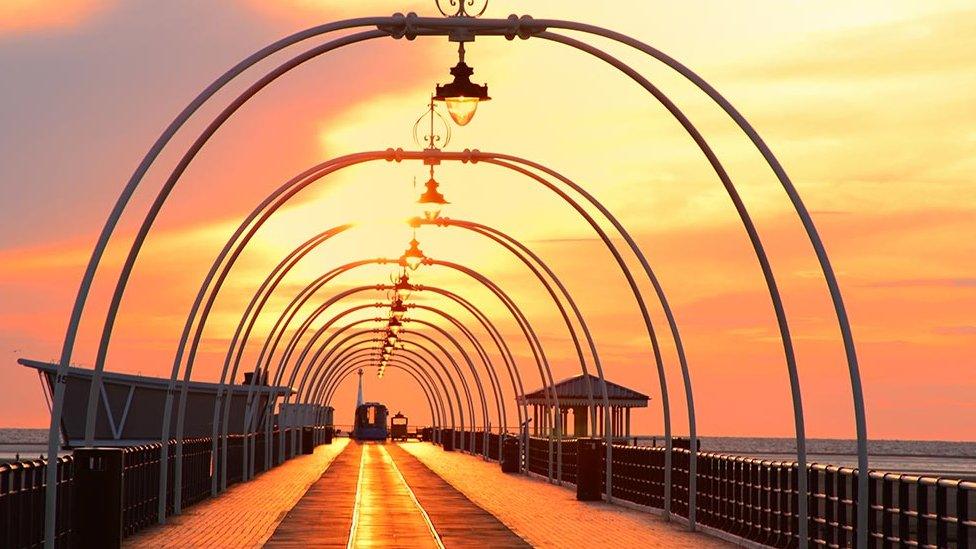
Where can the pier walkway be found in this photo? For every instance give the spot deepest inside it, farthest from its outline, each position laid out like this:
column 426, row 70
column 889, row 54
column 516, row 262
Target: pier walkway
column 407, row 495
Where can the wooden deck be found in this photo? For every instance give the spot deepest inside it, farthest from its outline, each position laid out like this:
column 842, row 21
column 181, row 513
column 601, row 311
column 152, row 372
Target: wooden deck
column 377, row 495
column 322, row 516
column 408, row 495
column 458, row 520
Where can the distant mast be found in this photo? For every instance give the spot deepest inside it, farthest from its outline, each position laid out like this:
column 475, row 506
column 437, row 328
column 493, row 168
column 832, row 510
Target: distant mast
column 359, row 396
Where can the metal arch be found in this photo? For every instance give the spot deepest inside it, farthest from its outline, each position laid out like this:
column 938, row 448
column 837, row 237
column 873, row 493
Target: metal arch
column 499, row 340
column 269, row 404
column 281, row 195
column 161, row 199
column 325, row 384
column 515, row 376
column 325, row 326
column 367, row 354
column 318, row 240
column 322, row 373
column 467, row 358
column 307, row 395
column 462, row 157
column 397, row 27
column 341, row 370
column 652, row 335
column 326, row 358
column 536, row 346
column 305, row 392
column 429, row 359
column 486, row 420
column 136, row 247
column 470, row 364
column 813, row 235
column 403, row 363
column 516, row 312
column 433, row 416
column 424, row 365
column 349, row 368
column 351, row 350
column 662, row 298
column 456, row 156
column 258, row 300
column 529, row 334
column 521, row 251
column 761, row 256
column 269, row 408
column 397, row 155
column 242, row 333
column 564, row 197
column 482, row 353
column 400, row 365
column 84, row 287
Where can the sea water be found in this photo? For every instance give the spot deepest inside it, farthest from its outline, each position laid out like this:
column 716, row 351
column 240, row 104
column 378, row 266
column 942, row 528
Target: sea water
column 918, row 457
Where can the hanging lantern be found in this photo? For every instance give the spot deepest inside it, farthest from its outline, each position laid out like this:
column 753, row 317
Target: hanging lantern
column 397, row 310
column 432, row 201
column 395, row 325
column 413, row 257
column 461, row 96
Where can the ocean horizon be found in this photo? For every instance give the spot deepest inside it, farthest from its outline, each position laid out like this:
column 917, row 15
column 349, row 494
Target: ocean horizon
column 954, row 459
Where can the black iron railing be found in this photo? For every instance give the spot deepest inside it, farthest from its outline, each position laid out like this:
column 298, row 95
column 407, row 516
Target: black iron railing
column 22, row 486
column 757, row 499
column 140, row 481
column 494, row 441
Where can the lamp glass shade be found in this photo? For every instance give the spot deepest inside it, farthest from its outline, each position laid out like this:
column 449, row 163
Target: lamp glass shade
column 431, row 210
column 462, row 109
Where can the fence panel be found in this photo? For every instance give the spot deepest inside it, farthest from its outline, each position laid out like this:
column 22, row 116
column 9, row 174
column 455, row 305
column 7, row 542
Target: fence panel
column 22, row 487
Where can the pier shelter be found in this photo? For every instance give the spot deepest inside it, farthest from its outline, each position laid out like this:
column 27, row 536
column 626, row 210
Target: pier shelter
column 573, row 396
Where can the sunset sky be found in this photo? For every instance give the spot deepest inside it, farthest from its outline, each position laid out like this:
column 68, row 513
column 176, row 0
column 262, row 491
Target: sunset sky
column 870, row 106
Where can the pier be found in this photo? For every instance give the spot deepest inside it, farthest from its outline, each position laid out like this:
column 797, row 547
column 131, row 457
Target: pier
column 535, row 373
column 410, row 495
column 346, row 493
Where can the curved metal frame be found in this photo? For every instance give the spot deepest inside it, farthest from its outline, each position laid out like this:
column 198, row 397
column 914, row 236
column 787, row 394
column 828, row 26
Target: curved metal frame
column 414, row 369
column 352, row 368
column 510, row 304
column 410, row 26
column 482, row 318
column 310, row 389
column 428, row 359
column 423, row 364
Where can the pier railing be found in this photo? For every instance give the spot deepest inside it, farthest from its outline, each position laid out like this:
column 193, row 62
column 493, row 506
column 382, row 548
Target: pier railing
column 756, row 499
column 22, row 486
column 22, row 503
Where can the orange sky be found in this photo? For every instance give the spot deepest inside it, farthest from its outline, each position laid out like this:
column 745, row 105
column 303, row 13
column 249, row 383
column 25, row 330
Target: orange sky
column 870, row 107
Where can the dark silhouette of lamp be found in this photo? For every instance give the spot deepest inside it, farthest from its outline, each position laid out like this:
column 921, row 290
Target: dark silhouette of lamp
column 432, row 201
column 395, row 325
column 413, row 257
column 462, row 95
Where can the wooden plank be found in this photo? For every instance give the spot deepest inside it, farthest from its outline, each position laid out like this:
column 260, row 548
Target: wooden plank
column 459, row 521
column 324, row 514
column 387, row 515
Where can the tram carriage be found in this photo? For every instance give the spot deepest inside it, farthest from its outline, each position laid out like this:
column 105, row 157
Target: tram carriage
column 398, row 427
column 370, row 422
